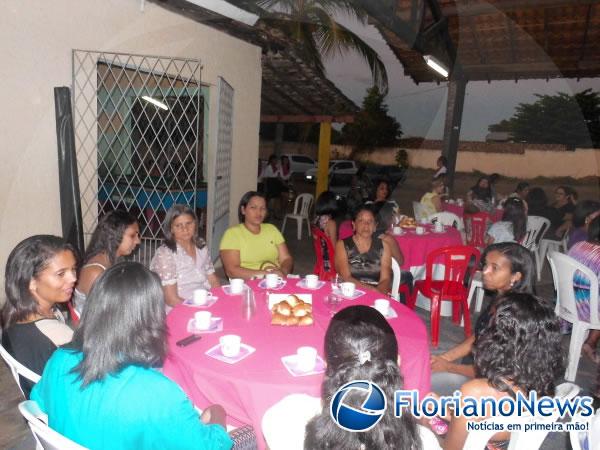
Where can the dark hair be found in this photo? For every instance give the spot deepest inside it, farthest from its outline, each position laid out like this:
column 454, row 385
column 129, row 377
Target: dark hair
column 123, row 323
column 379, row 183
column 521, row 186
column 352, row 331
column 272, row 158
column 362, row 208
column 385, row 217
column 570, row 192
column 521, row 345
column 494, row 177
column 245, row 200
column 514, row 212
column 173, row 213
column 582, row 210
column 536, row 199
column 108, row 234
column 521, row 260
column 25, row 262
column 594, row 231
column 443, row 160
column 327, row 205
column 482, row 193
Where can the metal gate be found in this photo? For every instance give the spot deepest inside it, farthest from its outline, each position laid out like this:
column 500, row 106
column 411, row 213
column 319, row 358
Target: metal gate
column 222, row 166
column 139, row 138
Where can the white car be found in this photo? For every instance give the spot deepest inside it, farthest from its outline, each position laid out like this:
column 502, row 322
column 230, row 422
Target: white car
column 299, row 164
column 336, row 167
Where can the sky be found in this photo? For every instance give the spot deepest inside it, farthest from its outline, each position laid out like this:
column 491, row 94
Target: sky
column 420, row 109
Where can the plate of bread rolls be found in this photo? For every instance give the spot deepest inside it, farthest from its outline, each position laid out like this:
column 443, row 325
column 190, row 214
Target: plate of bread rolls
column 291, row 309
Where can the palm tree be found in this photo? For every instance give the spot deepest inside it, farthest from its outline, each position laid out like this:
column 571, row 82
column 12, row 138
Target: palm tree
column 312, row 24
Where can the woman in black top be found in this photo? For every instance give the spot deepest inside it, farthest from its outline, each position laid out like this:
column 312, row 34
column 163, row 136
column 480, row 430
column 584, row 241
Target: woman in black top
column 363, row 258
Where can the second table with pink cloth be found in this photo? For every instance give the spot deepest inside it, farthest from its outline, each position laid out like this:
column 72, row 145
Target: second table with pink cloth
column 249, row 387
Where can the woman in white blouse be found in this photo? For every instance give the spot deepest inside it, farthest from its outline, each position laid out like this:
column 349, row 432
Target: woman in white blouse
column 183, row 261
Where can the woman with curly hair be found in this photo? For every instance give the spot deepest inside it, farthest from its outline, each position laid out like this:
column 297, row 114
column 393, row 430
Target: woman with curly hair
column 359, row 345
column 117, row 235
column 519, row 351
column 507, row 267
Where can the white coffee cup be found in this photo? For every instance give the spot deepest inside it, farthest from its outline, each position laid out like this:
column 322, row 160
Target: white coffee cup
column 230, row 345
column 200, row 296
column 424, row 221
column 347, row 289
column 306, row 358
column 236, row 285
column 459, row 201
column 382, row 305
column 397, row 231
column 311, row 281
column 202, row 320
column 419, row 230
column 438, row 227
column 273, row 280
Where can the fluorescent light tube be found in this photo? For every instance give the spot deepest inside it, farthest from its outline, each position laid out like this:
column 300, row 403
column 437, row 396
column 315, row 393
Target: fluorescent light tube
column 436, row 65
column 155, row 102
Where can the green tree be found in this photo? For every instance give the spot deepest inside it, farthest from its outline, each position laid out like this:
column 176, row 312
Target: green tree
column 372, row 126
column 572, row 120
column 312, row 24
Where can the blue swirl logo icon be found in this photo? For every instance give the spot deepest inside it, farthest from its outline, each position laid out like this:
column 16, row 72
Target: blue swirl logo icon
column 358, row 419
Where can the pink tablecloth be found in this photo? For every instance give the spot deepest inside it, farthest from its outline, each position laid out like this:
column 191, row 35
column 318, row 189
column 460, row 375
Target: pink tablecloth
column 460, row 211
column 247, row 389
column 415, row 248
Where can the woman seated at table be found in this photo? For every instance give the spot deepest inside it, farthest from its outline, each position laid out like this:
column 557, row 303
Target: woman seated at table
column 117, row 235
column 254, row 248
column 183, row 261
column 363, row 258
column 103, row 389
column 382, row 194
column 326, row 212
column 565, row 198
column 41, row 272
column 584, row 213
column 480, row 198
column 507, row 267
column 512, row 227
column 359, row 345
column 519, row 351
column 432, row 201
column 442, row 167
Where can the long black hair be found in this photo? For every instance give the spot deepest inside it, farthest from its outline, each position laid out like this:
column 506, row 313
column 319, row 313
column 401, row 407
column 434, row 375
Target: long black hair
column 123, row 323
column 361, row 345
column 173, row 213
column 521, row 346
column 25, row 262
column 521, row 261
column 514, row 212
column 108, row 235
column 482, row 193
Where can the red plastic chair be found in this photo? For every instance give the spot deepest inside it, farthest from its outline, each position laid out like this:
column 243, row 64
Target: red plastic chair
column 458, row 262
column 73, row 313
column 476, row 227
column 319, row 269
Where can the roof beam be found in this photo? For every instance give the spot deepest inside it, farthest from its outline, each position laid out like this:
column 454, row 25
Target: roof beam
column 306, row 118
column 476, row 9
column 585, row 33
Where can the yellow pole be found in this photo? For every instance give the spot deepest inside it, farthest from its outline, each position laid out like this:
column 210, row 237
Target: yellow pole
column 323, row 163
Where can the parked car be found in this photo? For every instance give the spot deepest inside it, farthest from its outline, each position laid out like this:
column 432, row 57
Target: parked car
column 299, row 164
column 336, row 167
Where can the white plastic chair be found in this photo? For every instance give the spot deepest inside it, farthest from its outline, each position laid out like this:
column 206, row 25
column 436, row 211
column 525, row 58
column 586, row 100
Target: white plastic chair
column 301, row 210
column 397, row 274
column 419, row 211
column 563, row 268
column 550, row 245
column 590, row 437
column 521, row 440
column 17, row 369
column 447, row 218
column 475, row 288
column 46, row 436
column 536, row 228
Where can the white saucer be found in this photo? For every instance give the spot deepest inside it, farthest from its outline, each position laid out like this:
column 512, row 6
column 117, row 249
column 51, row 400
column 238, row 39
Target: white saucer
column 215, row 352
column 391, row 314
column 210, row 300
column 216, row 325
column 302, row 284
column 290, row 362
column 227, row 290
column 263, row 284
column 357, row 293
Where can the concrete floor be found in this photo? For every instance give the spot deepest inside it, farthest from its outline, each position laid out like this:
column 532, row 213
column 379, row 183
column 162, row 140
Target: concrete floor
column 15, row 435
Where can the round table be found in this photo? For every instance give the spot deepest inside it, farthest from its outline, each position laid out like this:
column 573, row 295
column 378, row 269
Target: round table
column 248, row 388
column 415, row 247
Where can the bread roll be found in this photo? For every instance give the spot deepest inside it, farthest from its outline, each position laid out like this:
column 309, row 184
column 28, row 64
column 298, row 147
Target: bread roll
column 284, row 308
column 278, row 319
column 302, row 309
column 306, row 320
column 293, row 300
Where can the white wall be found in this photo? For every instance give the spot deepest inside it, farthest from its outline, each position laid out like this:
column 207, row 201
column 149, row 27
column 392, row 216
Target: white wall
column 36, row 39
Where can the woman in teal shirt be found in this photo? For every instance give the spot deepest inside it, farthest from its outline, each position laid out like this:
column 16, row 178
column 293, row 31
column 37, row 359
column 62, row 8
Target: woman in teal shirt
column 102, row 390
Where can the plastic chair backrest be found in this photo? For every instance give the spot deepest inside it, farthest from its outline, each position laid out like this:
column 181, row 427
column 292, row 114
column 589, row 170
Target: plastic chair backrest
column 302, row 204
column 73, row 313
column 563, row 268
column 397, row 274
column 521, row 440
column 460, row 262
column 419, row 211
column 47, row 437
column 536, row 228
column 586, row 440
column 17, row 369
column 345, row 230
column 476, row 227
column 319, row 269
column 447, row 218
